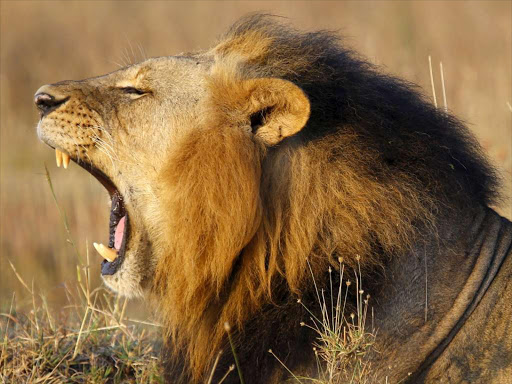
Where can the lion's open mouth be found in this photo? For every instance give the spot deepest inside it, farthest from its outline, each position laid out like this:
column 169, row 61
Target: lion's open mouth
column 113, row 254
column 118, row 232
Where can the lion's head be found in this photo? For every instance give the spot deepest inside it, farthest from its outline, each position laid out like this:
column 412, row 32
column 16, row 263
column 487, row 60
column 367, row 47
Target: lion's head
column 230, row 169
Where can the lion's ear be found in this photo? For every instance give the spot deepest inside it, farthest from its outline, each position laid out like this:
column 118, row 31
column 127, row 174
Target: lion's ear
column 275, row 108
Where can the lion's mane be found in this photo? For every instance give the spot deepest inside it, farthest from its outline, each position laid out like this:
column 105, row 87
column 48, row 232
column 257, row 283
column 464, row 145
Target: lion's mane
column 371, row 174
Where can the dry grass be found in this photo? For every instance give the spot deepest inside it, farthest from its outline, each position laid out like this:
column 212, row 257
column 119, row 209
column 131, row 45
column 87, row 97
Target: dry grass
column 344, row 342
column 344, row 339
column 91, row 340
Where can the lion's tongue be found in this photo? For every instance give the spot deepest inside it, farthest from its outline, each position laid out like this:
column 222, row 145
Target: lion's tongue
column 118, row 236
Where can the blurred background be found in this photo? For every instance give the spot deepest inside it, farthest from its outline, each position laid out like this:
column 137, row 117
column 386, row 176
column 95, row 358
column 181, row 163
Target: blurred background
column 49, row 41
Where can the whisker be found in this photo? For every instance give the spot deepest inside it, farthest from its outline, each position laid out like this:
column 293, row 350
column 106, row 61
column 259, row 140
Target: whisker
column 142, row 52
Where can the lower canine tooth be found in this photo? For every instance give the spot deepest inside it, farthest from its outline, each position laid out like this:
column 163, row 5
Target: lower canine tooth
column 58, row 157
column 107, row 253
column 65, row 160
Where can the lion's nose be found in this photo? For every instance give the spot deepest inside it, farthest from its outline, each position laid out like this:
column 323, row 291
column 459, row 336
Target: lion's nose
column 46, row 101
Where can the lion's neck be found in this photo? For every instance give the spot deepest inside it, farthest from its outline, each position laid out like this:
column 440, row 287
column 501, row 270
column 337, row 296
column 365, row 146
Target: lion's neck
column 424, row 302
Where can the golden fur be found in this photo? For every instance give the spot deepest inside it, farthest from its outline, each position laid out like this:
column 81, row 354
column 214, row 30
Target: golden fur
column 273, row 150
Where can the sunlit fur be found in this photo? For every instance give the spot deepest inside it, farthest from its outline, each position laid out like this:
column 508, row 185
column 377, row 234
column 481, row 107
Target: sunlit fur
column 366, row 177
column 243, row 165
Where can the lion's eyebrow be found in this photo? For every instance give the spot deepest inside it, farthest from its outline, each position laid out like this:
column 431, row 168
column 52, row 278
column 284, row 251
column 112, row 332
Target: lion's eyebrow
column 140, row 73
column 134, row 80
column 126, row 83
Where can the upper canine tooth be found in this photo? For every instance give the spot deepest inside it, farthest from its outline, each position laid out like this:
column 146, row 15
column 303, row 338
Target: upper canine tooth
column 58, row 157
column 65, row 160
column 105, row 252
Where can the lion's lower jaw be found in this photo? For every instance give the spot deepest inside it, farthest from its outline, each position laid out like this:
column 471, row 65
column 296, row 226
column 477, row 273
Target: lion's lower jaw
column 131, row 279
column 122, row 284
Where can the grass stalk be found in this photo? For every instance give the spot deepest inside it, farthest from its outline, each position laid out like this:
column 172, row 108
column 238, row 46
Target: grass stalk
column 62, row 215
column 443, row 86
column 432, row 80
column 227, row 327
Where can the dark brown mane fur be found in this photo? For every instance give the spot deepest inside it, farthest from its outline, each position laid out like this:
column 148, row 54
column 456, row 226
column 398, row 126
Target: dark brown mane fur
column 370, row 175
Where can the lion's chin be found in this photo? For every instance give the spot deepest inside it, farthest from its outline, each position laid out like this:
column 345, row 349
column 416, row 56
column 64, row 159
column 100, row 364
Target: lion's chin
column 127, row 280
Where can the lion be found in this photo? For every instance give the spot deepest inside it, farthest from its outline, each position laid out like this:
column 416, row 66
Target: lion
column 240, row 175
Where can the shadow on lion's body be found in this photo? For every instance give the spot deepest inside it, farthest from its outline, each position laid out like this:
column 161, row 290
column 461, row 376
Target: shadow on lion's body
column 299, row 151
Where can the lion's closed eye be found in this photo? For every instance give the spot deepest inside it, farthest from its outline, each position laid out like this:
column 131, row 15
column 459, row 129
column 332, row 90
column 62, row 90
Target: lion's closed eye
column 133, row 91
